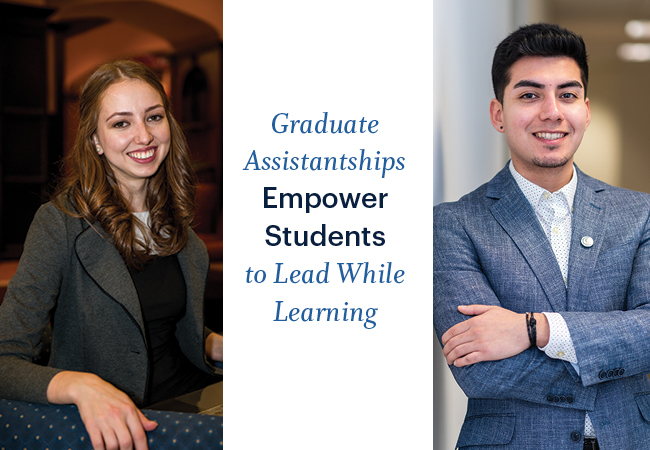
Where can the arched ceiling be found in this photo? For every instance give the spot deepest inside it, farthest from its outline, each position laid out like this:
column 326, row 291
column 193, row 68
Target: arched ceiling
column 112, row 40
column 182, row 30
column 101, row 30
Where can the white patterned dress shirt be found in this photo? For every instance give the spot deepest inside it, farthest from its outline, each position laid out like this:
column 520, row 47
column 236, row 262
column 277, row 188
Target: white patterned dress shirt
column 554, row 211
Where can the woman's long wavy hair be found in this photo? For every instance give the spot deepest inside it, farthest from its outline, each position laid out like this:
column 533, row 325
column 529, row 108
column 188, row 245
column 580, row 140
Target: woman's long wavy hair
column 89, row 189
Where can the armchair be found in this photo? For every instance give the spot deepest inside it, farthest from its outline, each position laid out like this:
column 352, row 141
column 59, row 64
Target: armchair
column 59, row 427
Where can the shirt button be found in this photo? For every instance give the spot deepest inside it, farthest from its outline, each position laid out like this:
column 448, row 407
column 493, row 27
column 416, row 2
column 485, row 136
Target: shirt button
column 556, row 230
column 560, row 354
column 546, row 195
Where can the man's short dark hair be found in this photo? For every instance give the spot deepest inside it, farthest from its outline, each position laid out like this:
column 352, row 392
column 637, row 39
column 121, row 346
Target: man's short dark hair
column 540, row 39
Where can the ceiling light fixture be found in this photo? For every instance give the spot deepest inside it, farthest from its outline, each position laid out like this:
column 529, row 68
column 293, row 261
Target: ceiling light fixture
column 638, row 29
column 634, row 52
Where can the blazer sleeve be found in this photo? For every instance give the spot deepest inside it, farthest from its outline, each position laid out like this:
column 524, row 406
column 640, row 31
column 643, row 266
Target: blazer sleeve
column 25, row 312
column 458, row 279
column 614, row 344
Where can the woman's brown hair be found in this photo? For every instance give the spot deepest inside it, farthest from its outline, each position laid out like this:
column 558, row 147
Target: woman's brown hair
column 89, row 189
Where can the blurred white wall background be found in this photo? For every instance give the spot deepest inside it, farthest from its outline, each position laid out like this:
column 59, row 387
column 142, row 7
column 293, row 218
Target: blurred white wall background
column 469, row 151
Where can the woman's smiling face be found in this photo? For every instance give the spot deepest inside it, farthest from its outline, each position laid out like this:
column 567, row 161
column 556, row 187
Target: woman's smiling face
column 132, row 132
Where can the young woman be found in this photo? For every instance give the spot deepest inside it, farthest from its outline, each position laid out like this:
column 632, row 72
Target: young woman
column 113, row 264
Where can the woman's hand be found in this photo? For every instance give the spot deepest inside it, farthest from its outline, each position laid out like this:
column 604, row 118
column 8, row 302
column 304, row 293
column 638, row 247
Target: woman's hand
column 111, row 419
column 214, row 347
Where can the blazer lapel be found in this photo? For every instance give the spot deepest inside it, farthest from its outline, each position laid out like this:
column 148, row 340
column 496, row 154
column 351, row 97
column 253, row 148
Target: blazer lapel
column 518, row 219
column 195, row 270
column 190, row 330
column 105, row 266
column 589, row 212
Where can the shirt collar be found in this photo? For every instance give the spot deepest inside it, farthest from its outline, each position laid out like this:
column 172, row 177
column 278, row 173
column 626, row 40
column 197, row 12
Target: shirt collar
column 533, row 192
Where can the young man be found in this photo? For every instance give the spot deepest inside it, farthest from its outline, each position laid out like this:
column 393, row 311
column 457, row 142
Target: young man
column 542, row 275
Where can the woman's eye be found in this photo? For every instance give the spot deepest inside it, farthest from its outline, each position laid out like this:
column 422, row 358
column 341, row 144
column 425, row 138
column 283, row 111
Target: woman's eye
column 121, row 124
column 155, row 118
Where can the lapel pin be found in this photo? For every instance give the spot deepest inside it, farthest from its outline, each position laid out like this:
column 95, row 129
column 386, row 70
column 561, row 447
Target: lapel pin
column 587, row 241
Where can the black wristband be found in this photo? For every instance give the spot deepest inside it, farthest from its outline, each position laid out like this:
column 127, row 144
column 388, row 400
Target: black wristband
column 531, row 325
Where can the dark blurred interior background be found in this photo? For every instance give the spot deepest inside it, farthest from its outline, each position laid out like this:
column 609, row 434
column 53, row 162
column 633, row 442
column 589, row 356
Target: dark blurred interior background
column 48, row 48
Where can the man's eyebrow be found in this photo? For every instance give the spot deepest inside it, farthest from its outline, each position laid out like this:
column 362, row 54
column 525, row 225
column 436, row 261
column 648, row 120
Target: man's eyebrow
column 535, row 84
column 573, row 83
column 126, row 113
column 528, row 83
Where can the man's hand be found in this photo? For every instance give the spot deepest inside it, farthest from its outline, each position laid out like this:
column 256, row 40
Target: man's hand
column 494, row 333
column 110, row 417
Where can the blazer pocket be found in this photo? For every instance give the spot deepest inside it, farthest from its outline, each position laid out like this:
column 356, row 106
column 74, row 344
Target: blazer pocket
column 487, row 429
column 617, row 253
column 643, row 402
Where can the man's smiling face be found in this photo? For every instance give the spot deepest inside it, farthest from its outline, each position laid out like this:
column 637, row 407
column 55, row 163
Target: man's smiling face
column 544, row 114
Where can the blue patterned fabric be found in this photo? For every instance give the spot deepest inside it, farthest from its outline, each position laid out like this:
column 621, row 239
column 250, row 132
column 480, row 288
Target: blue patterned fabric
column 34, row 426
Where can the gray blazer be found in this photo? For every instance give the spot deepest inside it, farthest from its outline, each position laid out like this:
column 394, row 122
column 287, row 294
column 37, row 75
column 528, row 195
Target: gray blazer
column 489, row 248
column 70, row 273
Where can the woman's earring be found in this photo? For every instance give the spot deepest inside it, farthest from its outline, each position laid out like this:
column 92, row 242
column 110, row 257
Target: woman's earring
column 99, row 150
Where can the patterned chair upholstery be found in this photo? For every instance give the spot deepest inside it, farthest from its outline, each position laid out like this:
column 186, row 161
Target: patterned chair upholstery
column 54, row 427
